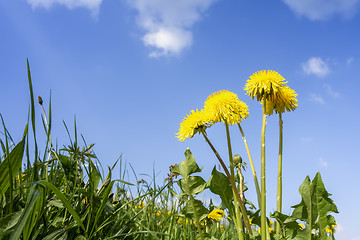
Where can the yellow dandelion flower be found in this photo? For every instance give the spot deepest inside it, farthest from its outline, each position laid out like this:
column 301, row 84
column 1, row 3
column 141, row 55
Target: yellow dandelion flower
column 331, row 229
column 216, row 214
column 271, row 223
column 286, row 100
column 301, row 225
column 192, row 124
column 266, row 83
column 158, row 213
column 225, row 106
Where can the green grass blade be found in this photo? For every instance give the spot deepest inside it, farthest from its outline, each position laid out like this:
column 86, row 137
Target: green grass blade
column 66, row 203
column 13, row 160
column 33, row 196
column 33, row 119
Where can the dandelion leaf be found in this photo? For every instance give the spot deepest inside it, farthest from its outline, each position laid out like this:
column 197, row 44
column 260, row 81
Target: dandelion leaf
column 192, row 185
column 188, row 166
column 220, row 185
column 201, row 211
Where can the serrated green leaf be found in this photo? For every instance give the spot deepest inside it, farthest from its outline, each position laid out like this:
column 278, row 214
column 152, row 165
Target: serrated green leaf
column 192, row 185
column 324, row 205
column 201, row 211
column 188, row 166
column 220, row 185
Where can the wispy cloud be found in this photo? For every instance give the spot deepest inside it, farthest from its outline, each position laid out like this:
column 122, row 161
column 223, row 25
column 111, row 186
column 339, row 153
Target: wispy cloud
column 316, row 66
column 350, row 60
column 331, row 92
column 168, row 23
column 323, row 162
column 316, row 98
column 323, row 9
column 92, row 5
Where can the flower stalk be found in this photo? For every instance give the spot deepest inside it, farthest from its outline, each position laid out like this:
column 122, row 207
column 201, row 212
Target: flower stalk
column 238, row 218
column 192, row 200
column 252, row 165
column 279, row 182
column 237, row 195
column 263, row 183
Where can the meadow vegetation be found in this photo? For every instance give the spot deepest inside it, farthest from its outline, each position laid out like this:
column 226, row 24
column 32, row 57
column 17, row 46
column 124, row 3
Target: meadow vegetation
column 62, row 193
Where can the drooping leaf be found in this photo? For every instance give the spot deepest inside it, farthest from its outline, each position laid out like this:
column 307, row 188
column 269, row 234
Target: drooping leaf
column 188, row 166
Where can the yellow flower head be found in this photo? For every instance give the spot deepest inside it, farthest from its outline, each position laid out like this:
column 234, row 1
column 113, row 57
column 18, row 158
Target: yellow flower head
column 286, row 100
column 192, row 124
column 301, row 225
column 216, row 214
column 225, row 106
column 331, row 229
column 264, row 84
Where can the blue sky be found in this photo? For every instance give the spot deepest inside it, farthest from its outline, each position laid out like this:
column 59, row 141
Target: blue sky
column 131, row 70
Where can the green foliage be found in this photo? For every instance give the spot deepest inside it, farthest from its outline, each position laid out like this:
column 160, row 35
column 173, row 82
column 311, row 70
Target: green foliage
column 220, row 185
column 314, row 210
column 64, row 194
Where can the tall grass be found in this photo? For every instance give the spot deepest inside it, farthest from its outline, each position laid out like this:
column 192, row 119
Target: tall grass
column 62, row 193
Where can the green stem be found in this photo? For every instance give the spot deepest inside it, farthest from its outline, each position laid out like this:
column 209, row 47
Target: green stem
column 252, row 166
column 279, row 184
column 242, row 208
column 263, row 185
column 232, row 173
column 192, row 200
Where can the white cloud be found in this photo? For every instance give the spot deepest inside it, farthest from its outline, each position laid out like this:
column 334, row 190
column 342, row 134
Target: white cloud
column 168, row 23
column 169, row 40
column 350, row 60
column 341, row 233
column 316, row 98
column 323, row 9
column 92, row 5
column 331, row 92
column 323, row 162
column 316, row 66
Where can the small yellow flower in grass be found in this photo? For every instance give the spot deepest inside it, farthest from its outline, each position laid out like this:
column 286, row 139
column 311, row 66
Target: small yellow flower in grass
column 286, row 100
column 266, row 83
column 140, row 205
column 192, row 124
column 216, row 214
column 331, row 229
column 271, row 230
column 301, row 225
column 271, row 223
column 225, row 106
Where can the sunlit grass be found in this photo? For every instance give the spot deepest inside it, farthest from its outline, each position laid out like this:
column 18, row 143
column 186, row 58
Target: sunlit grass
column 49, row 193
